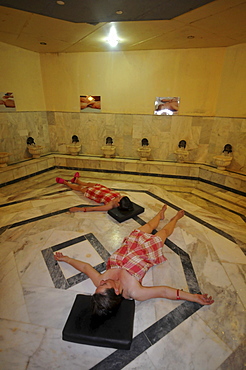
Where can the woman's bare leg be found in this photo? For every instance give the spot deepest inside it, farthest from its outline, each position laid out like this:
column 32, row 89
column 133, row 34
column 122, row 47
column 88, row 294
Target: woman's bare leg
column 86, row 184
column 152, row 224
column 167, row 230
column 74, row 186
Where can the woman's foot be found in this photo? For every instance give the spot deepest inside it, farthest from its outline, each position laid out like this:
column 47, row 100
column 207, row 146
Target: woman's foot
column 75, row 177
column 162, row 212
column 60, row 180
column 180, row 214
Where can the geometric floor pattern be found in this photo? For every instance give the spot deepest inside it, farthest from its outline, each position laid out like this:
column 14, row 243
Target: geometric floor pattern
column 205, row 253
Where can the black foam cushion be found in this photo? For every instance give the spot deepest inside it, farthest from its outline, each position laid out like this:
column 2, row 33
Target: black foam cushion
column 115, row 332
column 120, row 215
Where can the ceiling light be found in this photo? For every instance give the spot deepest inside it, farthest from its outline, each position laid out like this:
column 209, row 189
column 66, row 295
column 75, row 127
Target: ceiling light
column 119, row 12
column 113, row 39
column 60, row 2
column 43, row 43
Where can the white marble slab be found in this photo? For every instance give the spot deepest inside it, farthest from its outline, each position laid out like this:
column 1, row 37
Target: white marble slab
column 82, row 251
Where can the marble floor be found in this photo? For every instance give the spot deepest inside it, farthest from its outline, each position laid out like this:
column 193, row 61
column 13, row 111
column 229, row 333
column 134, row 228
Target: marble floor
column 205, row 253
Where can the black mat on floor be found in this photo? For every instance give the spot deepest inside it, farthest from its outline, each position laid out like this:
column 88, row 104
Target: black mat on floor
column 115, row 332
column 121, row 216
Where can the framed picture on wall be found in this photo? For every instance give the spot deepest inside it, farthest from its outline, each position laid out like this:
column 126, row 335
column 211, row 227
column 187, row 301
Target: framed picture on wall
column 7, row 102
column 90, row 103
column 166, row 106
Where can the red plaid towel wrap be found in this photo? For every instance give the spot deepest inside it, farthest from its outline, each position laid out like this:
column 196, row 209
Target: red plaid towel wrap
column 101, row 194
column 138, row 253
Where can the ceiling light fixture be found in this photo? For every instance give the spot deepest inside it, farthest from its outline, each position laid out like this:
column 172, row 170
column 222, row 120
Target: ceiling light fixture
column 113, row 39
column 43, row 43
column 119, row 12
column 60, row 2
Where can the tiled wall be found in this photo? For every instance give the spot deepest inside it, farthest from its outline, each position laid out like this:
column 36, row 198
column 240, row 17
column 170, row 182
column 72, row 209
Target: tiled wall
column 205, row 136
column 16, row 127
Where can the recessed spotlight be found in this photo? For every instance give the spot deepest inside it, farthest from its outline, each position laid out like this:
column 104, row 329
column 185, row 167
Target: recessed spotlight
column 119, row 12
column 190, row 37
column 113, row 39
column 60, row 2
column 43, row 43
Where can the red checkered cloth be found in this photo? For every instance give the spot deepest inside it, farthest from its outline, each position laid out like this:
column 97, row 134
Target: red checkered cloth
column 138, row 253
column 101, row 194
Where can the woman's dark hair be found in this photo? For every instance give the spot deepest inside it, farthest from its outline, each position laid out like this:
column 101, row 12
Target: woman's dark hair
column 125, row 204
column 105, row 304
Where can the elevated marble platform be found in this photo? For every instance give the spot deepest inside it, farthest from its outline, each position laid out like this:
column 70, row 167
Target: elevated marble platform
column 152, row 172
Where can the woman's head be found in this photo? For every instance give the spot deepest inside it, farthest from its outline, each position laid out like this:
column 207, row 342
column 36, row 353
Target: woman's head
column 125, row 204
column 105, row 303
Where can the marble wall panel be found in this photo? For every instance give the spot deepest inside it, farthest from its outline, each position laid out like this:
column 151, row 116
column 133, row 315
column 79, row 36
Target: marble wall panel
column 218, row 178
column 232, row 182
column 205, row 174
column 31, row 167
column 243, row 186
column 183, row 170
column 205, row 136
column 6, row 176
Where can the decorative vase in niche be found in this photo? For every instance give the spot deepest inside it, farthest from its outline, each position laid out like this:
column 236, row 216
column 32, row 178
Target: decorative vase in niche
column 181, row 155
column 4, row 158
column 109, row 149
column 74, row 148
column 35, row 150
column 222, row 161
column 144, row 151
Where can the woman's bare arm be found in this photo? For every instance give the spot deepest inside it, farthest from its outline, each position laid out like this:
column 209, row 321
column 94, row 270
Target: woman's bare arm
column 105, row 207
column 84, row 267
column 141, row 293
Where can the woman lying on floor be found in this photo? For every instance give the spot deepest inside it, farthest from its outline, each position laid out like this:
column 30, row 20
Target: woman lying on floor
column 97, row 192
column 127, row 267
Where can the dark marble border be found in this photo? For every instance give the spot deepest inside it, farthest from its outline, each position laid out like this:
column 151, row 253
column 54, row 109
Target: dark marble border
column 120, row 358
column 57, row 276
column 243, row 217
column 160, row 328
column 27, row 176
column 155, row 332
column 34, row 198
column 144, row 340
column 149, row 174
column 197, row 219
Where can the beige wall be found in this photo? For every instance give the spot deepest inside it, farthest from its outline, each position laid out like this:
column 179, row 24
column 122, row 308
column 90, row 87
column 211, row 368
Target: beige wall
column 210, row 82
column 128, row 82
column 21, row 74
column 232, row 92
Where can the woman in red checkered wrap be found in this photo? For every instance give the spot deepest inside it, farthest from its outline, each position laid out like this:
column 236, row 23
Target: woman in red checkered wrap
column 97, row 192
column 128, row 265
